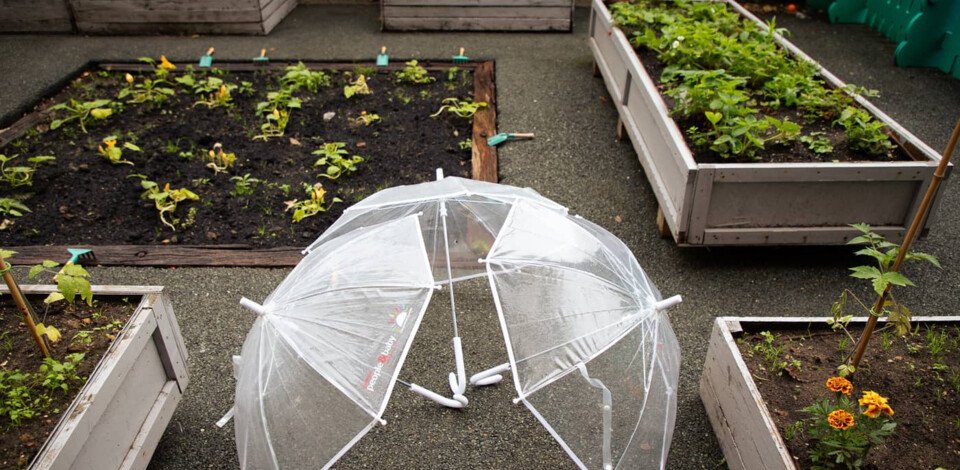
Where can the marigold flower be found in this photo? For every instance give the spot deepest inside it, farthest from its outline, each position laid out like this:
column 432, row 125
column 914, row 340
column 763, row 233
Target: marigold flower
column 128, row 78
column 839, row 385
column 165, row 64
column 840, row 419
column 874, row 404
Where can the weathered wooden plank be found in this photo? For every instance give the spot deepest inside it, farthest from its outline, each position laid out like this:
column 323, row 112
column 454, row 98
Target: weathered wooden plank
column 477, row 12
column 167, row 4
column 476, row 24
column 272, row 18
column 480, row 3
column 484, row 159
column 165, row 337
column 789, row 235
column 170, row 28
column 165, row 255
column 153, row 427
column 34, row 16
column 124, row 14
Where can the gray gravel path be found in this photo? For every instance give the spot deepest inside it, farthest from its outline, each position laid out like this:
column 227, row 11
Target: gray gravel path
column 544, row 86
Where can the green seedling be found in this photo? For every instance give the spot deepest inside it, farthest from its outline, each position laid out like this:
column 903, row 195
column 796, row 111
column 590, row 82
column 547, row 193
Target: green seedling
column 12, row 207
column 299, row 76
column 243, row 185
column 114, row 154
column 366, row 119
column 413, row 73
column 222, row 98
column 312, row 206
column 864, row 132
column 60, row 375
column 275, row 125
column 357, row 87
column 334, row 157
column 462, row 108
column 818, row 143
column 165, row 200
column 152, row 91
column 218, row 160
column 81, row 112
column 71, row 281
column 17, row 176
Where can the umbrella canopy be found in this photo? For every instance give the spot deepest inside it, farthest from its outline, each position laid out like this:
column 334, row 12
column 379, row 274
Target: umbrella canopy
column 591, row 352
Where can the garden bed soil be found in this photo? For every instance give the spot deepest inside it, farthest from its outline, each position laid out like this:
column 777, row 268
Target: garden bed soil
column 18, row 351
column 84, row 199
column 926, row 409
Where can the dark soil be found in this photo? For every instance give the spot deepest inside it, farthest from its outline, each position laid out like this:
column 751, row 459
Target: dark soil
column 925, row 400
column 18, row 444
column 84, row 199
column 795, row 152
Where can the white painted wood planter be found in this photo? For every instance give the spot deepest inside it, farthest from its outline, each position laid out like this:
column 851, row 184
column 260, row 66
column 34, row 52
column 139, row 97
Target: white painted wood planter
column 477, row 15
column 118, row 417
column 739, row 416
column 755, row 203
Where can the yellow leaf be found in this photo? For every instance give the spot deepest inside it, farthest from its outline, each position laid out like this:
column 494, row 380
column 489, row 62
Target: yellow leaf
column 53, row 334
column 53, row 297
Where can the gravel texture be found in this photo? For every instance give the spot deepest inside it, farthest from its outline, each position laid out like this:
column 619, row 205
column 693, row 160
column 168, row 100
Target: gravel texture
column 545, row 86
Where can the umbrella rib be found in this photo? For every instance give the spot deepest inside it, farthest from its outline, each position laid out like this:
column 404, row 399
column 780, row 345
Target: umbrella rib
column 578, row 338
column 338, row 320
column 646, row 396
column 344, row 354
column 263, row 414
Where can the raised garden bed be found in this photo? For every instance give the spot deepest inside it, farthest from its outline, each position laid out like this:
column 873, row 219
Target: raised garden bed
column 235, row 221
column 477, row 15
column 776, row 200
column 752, row 408
column 135, row 368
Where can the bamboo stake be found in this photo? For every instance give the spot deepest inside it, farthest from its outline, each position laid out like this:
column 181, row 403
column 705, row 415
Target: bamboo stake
column 23, row 306
column 918, row 219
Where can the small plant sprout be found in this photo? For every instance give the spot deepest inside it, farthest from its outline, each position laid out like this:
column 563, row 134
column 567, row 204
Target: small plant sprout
column 275, row 126
column 299, row 76
column 218, row 160
column 333, row 156
column 81, row 112
column 465, row 144
column 818, row 143
column 312, row 206
column 114, row 154
column 17, row 176
column 865, row 132
column 243, row 185
column 58, row 376
column 152, row 91
column 462, row 108
column 366, row 119
column 13, row 208
column 413, row 73
column 219, row 99
column 162, row 68
column 71, row 281
column 166, row 200
column 357, row 87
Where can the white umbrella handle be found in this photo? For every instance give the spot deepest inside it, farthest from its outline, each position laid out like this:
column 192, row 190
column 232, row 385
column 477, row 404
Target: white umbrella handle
column 667, row 303
column 485, row 377
column 458, row 401
column 458, row 381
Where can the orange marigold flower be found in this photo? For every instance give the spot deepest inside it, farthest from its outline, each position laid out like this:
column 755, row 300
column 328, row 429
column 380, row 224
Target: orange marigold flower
column 165, row 64
column 840, row 419
column 874, row 404
column 839, row 385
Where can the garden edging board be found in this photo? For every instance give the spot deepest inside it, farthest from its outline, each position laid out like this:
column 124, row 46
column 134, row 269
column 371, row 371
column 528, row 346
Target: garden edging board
column 755, row 203
column 738, row 414
column 483, row 168
column 118, row 417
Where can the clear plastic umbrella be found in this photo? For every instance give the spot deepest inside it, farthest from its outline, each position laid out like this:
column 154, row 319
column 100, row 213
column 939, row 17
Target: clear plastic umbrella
column 590, row 350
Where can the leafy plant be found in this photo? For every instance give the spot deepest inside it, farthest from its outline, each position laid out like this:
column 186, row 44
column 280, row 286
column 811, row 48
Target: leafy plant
column 162, row 68
column 465, row 144
column 275, row 125
column 81, row 112
column 17, row 176
column 152, row 91
column 299, row 76
column 59, row 375
column 413, row 73
column 312, row 206
column 817, row 142
column 71, row 281
column 243, row 185
column 462, row 108
column 333, row 156
column 844, row 431
column 17, row 402
column 219, row 99
column 12, row 207
column 864, row 132
column 218, row 160
column 280, row 99
column 165, row 200
column 114, row 154
column 771, row 352
column 357, row 87
column 366, row 119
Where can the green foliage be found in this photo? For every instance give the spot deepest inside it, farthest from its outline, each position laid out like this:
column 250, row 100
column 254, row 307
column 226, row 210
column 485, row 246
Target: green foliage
column 413, row 73
column 366, row 119
column 12, row 207
column 771, row 353
column 333, row 156
column 243, row 185
column 114, row 154
column 154, row 91
column 864, row 132
column 81, row 112
column 357, row 87
column 315, row 204
column 71, row 281
column 818, row 143
column 462, row 108
column 219, row 160
column 299, row 76
column 275, row 125
column 17, row 176
column 165, row 200
column 833, row 447
column 465, row 144
column 17, row 399
column 59, row 375
column 222, row 98
column 280, row 99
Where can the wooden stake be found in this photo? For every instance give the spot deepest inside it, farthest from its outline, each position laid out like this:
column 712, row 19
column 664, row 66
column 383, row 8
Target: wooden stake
column 23, row 306
column 918, row 219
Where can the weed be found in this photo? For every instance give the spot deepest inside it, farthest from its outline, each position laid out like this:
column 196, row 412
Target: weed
column 413, row 73
column 462, row 108
column 59, row 375
column 243, row 185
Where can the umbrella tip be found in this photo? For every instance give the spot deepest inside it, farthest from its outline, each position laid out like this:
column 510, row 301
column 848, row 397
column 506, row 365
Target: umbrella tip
column 253, row 306
column 439, row 174
column 667, row 303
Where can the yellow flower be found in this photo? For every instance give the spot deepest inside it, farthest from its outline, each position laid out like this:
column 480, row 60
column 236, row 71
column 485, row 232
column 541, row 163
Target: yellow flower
column 110, row 142
column 840, row 419
column 276, row 113
column 318, row 192
column 165, row 64
column 874, row 404
column 166, row 187
column 839, row 385
column 223, row 93
column 128, row 78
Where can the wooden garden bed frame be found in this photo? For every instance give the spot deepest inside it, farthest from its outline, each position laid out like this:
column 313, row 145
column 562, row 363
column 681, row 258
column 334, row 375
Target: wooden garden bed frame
column 755, row 203
column 484, row 168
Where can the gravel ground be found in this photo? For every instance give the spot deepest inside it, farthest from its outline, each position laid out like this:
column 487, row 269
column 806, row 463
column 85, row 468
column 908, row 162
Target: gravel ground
column 545, row 86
